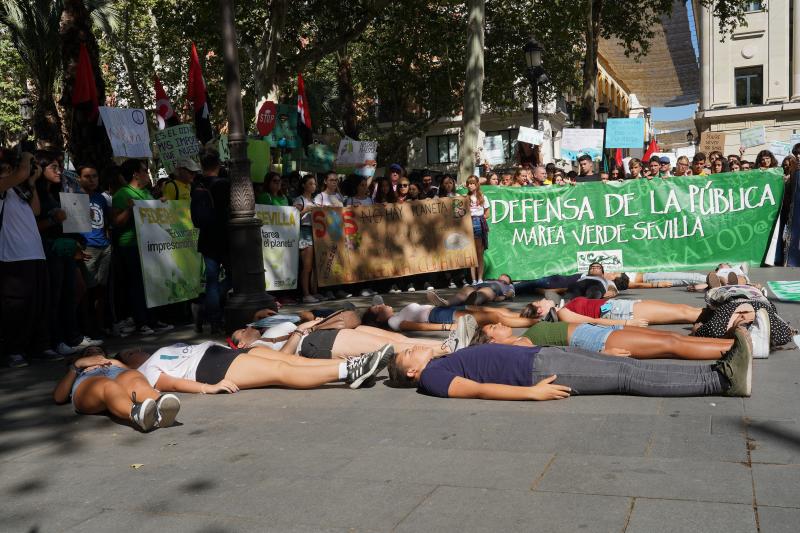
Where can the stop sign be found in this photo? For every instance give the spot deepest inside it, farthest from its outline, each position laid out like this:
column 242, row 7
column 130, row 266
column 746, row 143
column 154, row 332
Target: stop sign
column 265, row 120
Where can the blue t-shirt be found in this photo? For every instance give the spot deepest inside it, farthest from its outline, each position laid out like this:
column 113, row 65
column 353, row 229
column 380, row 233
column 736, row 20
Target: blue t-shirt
column 100, row 210
column 485, row 363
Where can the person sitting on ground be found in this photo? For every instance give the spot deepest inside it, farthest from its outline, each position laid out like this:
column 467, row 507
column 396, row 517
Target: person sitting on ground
column 490, row 290
column 96, row 384
column 209, row 368
column 416, row 317
column 497, row 372
column 639, row 343
column 615, row 312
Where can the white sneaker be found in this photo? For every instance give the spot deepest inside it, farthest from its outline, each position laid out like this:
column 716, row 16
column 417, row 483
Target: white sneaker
column 395, row 289
column 411, row 288
column 86, row 342
column 64, row 349
column 465, row 283
column 310, row 300
column 144, row 414
column 366, row 293
column 429, row 286
column 167, row 407
column 760, row 335
column 479, row 282
column 452, row 285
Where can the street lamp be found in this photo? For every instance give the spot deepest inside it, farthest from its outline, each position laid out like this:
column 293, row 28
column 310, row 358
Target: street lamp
column 244, row 229
column 536, row 75
column 602, row 118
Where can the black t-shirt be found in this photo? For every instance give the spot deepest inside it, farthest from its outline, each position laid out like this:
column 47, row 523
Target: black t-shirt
column 485, row 363
column 586, row 178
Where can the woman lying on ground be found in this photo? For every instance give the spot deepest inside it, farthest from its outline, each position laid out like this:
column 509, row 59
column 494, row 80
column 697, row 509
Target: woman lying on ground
column 491, row 290
column 416, row 317
column 615, row 312
column 210, row 368
column 496, row 372
column 717, row 322
column 639, row 343
column 96, row 384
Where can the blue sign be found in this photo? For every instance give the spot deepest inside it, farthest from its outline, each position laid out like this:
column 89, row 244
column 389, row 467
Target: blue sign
column 625, row 133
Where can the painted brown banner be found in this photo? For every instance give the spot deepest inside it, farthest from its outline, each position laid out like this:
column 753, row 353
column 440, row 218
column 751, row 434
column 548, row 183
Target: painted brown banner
column 353, row 244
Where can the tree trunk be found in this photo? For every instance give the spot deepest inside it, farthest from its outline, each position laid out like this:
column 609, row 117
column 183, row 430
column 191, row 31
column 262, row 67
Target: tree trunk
column 46, row 121
column 266, row 81
column 589, row 99
column 86, row 141
column 473, row 89
column 344, row 79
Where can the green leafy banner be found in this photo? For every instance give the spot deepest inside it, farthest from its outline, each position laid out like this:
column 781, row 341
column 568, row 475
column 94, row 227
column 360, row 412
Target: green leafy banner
column 683, row 223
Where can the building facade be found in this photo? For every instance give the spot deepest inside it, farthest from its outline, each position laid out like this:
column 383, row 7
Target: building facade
column 752, row 78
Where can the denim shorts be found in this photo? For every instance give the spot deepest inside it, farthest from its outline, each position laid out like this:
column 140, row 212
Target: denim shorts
column 591, row 337
column 110, row 372
column 477, row 228
column 306, row 238
column 620, row 309
column 444, row 315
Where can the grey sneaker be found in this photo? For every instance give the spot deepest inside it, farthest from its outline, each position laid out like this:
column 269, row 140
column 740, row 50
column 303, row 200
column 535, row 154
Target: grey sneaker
column 737, row 365
column 461, row 337
column 362, row 370
column 377, row 299
column 760, row 334
column 17, row 360
column 167, row 407
column 434, row 298
column 144, row 414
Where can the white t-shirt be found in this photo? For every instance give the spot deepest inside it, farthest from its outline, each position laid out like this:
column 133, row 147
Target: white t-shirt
column 329, row 200
column 276, row 331
column 355, row 202
column 19, row 237
column 410, row 313
column 179, row 361
column 475, row 209
column 301, row 202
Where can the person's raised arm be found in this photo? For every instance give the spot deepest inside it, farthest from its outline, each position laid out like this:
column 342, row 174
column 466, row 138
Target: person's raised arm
column 544, row 390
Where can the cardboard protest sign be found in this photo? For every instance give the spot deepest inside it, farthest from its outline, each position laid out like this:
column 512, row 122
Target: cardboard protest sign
column 576, row 142
column 493, row 150
column 357, row 157
column 127, row 131
column 712, row 141
column 258, row 154
column 284, row 132
column 780, row 149
column 76, row 205
column 625, row 133
column 683, row 223
column 353, row 244
column 530, row 135
column 753, row 137
column 223, row 149
column 176, row 143
column 171, row 266
column 280, row 235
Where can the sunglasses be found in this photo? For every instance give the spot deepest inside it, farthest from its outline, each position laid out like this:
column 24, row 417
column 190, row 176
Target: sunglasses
column 404, row 185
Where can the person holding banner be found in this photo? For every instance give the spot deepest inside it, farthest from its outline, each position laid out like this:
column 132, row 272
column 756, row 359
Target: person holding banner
column 765, row 160
column 271, row 193
column 330, row 196
column 305, row 204
column 615, row 312
column 479, row 209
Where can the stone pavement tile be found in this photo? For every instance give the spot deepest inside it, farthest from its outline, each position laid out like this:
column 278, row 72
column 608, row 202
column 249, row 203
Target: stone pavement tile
column 463, row 468
column 774, row 441
column 670, row 516
column 772, row 404
column 678, row 479
column 778, row 519
column 680, row 435
column 777, row 485
column 706, row 405
column 459, row 509
column 47, row 516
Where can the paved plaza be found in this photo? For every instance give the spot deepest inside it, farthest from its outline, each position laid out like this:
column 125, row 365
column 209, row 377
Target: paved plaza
column 384, row 459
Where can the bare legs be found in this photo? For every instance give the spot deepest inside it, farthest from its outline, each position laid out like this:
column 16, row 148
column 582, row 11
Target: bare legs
column 307, row 257
column 493, row 315
column 645, row 343
column 479, row 252
column 252, row 372
column 656, row 312
column 99, row 394
column 354, row 342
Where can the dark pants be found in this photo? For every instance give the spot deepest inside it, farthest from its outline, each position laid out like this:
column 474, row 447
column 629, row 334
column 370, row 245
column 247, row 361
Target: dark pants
column 548, row 282
column 593, row 373
column 63, row 306
column 23, row 307
column 130, row 275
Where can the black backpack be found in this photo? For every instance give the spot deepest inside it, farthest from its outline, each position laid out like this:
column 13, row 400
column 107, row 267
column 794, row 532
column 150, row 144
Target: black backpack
column 202, row 206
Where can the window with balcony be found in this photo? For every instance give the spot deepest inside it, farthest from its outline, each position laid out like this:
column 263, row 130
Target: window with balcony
column 509, row 141
column 749, row 86
column 442, row 148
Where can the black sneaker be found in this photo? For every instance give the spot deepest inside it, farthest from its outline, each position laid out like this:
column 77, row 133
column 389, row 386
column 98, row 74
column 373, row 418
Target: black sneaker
column 17, row 360
column 737, row 365
column 362, row 370
column 160, row 327
column 167, row 407
column 144, row 414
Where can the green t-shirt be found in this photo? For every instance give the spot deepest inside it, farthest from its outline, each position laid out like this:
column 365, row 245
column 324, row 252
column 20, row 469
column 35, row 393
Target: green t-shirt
column 548, row 334
column 266, row 198
column 126, row 235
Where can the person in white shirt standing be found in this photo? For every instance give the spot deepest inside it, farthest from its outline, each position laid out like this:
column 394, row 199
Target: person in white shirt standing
column 479, row 209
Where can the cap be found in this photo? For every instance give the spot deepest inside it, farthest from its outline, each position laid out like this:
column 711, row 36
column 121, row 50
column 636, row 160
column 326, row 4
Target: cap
column 189, row 164
column 664, row 159
column 394, row 167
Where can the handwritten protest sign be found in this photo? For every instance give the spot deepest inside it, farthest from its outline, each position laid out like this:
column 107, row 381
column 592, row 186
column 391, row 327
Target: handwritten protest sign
column 127, row 131
column 171, row 266
column 493, row 151
column 576, row 142
column 354, row 244
column 530, row 135
column 280, row 234
column 780, row 149
column 357, row 157
column 625, row 133
column 685, row 223
column 753, row 137
column 712, row 141
column 176, row 143
column 76, row 205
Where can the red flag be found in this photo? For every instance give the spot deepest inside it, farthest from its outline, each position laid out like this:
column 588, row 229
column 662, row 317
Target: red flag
column 164, row 110
column 198, row 95
column 651, row 149
column 302, row 102
column 85, row 89
column 618, row 157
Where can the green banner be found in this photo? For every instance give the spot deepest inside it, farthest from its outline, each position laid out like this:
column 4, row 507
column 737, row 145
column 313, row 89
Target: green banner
column 688, row 223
